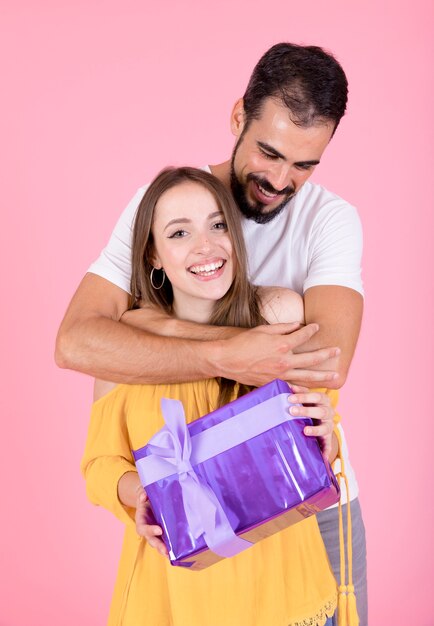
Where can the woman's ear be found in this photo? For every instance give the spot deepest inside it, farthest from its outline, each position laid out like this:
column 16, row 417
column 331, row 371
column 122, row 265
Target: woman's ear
column 156, row 263
column 154, row 259
column 238, row 118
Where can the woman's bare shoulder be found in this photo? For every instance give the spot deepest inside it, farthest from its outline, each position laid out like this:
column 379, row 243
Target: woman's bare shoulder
column 280, row 305
column 101, row 388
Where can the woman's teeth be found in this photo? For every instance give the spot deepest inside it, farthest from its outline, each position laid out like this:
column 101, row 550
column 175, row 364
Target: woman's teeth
column 206, row 270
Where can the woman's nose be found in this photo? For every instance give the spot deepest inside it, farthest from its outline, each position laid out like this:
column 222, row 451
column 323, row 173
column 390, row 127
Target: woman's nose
column 202, row 243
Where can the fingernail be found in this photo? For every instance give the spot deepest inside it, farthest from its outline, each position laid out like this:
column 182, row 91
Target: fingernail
column 294, row 410
column 307, row 431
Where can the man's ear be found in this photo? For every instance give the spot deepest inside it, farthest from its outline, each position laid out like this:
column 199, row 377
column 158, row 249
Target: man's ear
column 238, row 118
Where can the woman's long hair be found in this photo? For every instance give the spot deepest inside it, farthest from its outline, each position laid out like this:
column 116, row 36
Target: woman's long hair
column 239, row 306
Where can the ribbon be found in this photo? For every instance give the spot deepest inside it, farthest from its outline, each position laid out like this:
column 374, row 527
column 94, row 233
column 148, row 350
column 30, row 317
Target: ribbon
column 172, row 451
column 204, row 513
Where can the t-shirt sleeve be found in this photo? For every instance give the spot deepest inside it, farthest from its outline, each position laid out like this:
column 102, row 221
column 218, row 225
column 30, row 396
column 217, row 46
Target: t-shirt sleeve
column 335, row 249
column 114, row 262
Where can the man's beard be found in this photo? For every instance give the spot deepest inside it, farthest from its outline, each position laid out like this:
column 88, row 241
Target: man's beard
column 256, row 212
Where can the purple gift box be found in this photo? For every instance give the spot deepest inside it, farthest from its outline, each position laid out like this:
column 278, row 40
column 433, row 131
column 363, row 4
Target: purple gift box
column 232, row 477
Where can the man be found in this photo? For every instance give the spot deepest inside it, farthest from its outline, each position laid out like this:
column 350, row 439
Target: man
column 298, row 235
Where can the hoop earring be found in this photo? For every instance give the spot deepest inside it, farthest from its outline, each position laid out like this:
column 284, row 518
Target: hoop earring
column 151, row 276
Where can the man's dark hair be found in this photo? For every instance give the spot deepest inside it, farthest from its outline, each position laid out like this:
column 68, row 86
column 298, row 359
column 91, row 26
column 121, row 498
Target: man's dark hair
column 306, row 79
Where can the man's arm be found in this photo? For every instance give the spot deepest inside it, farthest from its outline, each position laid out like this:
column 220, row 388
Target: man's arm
column 92, row 340
column 333, row 285
column 338, row 312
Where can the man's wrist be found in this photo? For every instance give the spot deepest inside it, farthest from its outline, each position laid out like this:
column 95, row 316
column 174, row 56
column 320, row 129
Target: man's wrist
column 213, row 353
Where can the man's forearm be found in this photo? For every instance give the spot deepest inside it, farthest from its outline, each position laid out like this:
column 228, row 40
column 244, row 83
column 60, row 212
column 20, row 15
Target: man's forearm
column 157, row 322
column 113, row 351
column 107, row 349
column 92, row 340
column 338, row 311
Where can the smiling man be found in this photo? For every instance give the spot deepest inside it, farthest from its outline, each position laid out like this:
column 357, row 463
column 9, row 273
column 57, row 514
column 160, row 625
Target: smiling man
column 298, row 235
column 272, row 159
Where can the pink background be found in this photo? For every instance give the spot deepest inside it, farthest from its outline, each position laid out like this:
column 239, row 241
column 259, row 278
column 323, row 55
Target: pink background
column 96, row 98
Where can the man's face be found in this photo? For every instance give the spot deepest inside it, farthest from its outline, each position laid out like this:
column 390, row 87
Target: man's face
column 272, row 159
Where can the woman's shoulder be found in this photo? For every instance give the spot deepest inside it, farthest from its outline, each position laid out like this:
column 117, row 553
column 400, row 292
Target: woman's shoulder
column 107, row 394
column 280, row 305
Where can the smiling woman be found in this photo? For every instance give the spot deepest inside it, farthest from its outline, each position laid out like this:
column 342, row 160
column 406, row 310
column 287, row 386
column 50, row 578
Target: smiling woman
column 191, row 243
column 188, row 224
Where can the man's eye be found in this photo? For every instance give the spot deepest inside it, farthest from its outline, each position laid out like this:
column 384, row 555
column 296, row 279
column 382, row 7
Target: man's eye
column 304, row 168
column 268, row 155
column 178, row 234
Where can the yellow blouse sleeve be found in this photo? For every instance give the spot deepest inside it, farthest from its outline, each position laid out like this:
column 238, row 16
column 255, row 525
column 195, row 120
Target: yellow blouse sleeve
column 107, row 455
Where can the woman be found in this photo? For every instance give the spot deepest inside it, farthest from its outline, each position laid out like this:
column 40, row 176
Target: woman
column 189, row 259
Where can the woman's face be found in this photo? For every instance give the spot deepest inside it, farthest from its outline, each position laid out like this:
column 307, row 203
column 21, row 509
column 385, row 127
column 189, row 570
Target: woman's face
column 193, row 246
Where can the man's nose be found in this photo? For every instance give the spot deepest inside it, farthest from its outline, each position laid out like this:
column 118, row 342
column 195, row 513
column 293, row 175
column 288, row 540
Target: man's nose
column 279, row 176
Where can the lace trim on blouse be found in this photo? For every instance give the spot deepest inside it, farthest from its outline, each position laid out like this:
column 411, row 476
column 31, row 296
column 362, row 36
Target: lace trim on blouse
column 320, row 618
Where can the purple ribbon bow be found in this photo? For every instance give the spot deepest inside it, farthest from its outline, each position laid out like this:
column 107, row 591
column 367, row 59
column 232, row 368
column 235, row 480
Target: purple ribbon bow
column 204, row 513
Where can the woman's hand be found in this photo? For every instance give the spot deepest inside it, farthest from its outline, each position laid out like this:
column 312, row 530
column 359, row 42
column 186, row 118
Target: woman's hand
column 145, row 523
column 318, row 407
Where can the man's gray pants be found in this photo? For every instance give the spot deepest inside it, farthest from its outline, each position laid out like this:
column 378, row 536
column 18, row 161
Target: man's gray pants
column 329, row 526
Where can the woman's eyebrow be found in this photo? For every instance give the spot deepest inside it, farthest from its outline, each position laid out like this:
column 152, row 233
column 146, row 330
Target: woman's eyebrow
column 211, row 216
column 185, row 220
column 178, row 220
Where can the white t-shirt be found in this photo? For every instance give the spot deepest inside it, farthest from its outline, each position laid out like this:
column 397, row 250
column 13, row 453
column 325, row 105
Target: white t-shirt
column 316, row 240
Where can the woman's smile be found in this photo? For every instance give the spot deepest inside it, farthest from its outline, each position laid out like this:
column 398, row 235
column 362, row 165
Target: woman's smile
column 208, row 270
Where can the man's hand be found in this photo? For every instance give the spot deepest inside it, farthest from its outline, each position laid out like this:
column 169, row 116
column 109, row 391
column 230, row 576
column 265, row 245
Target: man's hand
column 258, row 355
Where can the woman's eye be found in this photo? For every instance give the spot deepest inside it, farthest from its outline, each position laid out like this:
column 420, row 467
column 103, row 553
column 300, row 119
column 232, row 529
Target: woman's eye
column 178, row 234
column 220, row 226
